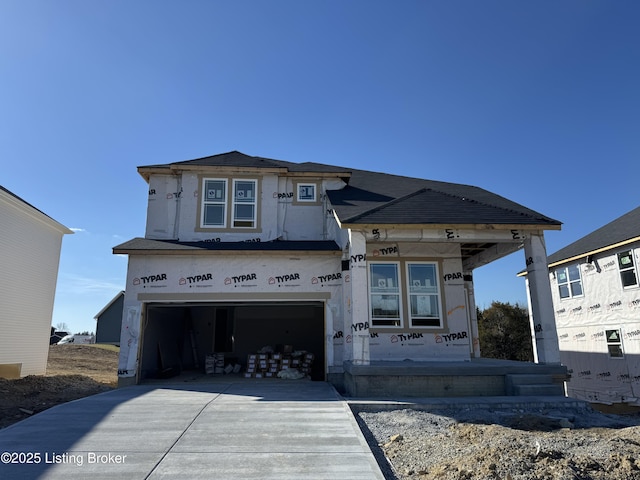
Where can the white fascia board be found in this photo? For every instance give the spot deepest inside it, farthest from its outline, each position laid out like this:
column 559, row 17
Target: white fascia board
column 594, row 252
column 33, row 212
column 445, row 233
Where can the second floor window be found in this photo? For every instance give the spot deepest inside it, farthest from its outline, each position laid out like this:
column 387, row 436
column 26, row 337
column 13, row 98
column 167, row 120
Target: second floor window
column 229, row 203
column 214, row 207
column 244, row 203
column 627, row 268
column 306, row 192
column 569, row 281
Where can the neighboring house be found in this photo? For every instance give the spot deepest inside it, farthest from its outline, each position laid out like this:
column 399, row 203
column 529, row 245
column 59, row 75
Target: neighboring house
column 30, row 244
column 596, row 296
column 356, row 267
column 109, row 321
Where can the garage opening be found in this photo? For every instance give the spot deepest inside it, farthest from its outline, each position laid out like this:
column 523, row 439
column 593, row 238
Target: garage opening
column 177, row 338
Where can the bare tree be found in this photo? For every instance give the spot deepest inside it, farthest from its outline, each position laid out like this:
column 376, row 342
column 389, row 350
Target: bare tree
column 62, row 327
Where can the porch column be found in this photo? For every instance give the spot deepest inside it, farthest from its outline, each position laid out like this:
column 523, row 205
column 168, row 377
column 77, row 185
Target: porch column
column 359, row 300
column 541, row 314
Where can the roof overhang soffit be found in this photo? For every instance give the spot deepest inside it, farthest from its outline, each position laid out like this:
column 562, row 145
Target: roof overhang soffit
column 447, row 233
column 478, row 246
column 146, row 172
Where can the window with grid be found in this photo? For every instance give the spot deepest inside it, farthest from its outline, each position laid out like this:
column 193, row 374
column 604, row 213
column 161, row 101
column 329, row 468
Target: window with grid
column 569, row 281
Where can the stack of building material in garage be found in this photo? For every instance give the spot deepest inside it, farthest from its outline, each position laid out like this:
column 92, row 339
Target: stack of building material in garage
column 268, row 365
column 214, row 363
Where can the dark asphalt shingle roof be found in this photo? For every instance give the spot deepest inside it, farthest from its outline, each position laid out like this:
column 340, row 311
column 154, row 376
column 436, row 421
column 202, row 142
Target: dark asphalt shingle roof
column 174, row 246
column 381, row 198
column 619, row 230
column 239, row 159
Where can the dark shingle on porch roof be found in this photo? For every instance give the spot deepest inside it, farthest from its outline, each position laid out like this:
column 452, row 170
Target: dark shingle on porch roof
column 619, row 230
column 380, row 198
column 175, row 246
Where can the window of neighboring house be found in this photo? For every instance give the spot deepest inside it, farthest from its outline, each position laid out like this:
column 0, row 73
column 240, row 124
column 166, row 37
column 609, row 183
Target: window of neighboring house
column 244, row 203
column 424, row 295
column 384, row 295
column 569, row 281
column 627, row 269
column 614, row 343
column 306, row 192
column 214, row 207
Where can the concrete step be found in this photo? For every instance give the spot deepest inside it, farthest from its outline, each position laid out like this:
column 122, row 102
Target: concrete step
column 529, row 379
column 547, row 389
column 532, row 384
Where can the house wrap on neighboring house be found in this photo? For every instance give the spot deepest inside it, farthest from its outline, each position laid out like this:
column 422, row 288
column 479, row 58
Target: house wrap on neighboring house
column 596, row 297
column 356, row 267
column 30, row 244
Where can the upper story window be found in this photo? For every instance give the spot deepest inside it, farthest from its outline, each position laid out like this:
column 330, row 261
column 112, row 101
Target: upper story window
column 306, row 192
column 569, row 281
column 244, row 203
column 424, row 295
column 214, row 207
column 384, row 294
column 627, row 268
column 229, row 203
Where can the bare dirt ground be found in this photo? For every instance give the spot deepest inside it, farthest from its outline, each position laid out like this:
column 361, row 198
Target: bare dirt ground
column 73, row 371
column 509, row 444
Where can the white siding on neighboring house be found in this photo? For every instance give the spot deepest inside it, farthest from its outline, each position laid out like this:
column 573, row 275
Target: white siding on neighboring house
column 30, row 245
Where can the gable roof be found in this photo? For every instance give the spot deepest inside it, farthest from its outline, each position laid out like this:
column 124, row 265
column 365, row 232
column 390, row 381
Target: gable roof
column 108, row 305
column 380, row 198
column 624, row 229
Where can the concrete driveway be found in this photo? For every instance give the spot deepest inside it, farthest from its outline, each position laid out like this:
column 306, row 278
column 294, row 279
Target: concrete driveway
column 244, row 429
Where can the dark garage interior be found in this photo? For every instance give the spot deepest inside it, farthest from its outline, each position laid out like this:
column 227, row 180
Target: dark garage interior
column 177, row 338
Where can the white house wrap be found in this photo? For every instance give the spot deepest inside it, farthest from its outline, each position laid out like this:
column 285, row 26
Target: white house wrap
column 596, row 297
column 244, row 252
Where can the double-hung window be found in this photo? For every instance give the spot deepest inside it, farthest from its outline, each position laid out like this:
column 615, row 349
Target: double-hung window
column 229, row 203
column 384, row 294
column 214, row 206
column 424, row 295
column 244, row 203
column 614, row 344
column 569, row 281
column 627, row 268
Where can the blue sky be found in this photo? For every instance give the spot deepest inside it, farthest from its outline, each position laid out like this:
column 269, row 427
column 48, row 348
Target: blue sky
column 536, row 101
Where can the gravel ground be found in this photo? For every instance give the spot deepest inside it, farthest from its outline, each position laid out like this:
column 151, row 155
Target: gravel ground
column 505, row 443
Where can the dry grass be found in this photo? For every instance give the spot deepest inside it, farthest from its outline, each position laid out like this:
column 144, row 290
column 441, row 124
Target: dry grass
column 99, row 362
